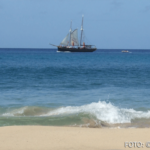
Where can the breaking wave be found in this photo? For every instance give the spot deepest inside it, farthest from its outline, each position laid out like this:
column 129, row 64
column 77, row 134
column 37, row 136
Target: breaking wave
column 101, row 110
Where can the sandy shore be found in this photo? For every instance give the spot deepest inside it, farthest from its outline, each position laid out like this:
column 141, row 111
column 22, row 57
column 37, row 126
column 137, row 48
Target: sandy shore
column 69, row 138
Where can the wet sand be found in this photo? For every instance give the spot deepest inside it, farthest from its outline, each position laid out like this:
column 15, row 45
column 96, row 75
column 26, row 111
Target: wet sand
column 69, row 138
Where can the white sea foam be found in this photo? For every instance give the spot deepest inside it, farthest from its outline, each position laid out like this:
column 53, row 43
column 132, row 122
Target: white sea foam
column 15, row 112
column 102, row 110
column 67, row 52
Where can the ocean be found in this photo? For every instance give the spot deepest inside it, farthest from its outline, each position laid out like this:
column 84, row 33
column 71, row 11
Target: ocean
column 103, row 89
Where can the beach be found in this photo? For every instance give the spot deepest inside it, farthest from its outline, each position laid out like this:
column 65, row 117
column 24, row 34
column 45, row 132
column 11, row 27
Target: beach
column 74, row 101
column 70, row 138
column 74, row 75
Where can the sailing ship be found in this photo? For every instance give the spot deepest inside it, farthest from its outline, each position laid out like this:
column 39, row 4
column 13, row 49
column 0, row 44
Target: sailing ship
column 71, row 43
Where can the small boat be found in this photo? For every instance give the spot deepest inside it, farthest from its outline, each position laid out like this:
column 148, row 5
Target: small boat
column 71, row 43
column 125, row 51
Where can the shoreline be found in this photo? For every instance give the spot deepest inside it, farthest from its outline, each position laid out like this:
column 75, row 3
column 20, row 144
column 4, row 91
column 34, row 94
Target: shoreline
column 75, row 138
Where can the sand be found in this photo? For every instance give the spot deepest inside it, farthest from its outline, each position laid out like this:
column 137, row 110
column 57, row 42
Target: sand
column 69, row 138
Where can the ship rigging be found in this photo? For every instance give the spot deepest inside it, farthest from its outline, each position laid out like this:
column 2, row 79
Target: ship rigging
column 71, row 43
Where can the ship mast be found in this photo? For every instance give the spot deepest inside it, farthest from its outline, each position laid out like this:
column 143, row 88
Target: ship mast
column 70, row 33
column 81, row 30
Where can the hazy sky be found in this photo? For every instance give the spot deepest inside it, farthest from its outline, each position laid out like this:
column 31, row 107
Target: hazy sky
column 107, row 23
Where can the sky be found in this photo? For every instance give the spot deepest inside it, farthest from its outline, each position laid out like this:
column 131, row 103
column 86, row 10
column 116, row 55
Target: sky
column 108, row 24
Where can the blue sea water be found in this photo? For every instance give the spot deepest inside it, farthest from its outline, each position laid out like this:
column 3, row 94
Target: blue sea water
column 106, row 88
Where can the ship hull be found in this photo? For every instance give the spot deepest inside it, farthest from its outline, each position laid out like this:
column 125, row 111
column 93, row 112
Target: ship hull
column 65, row 49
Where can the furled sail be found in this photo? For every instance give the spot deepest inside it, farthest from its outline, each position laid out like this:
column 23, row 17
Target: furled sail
column 65, row 41
column 74, row 37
